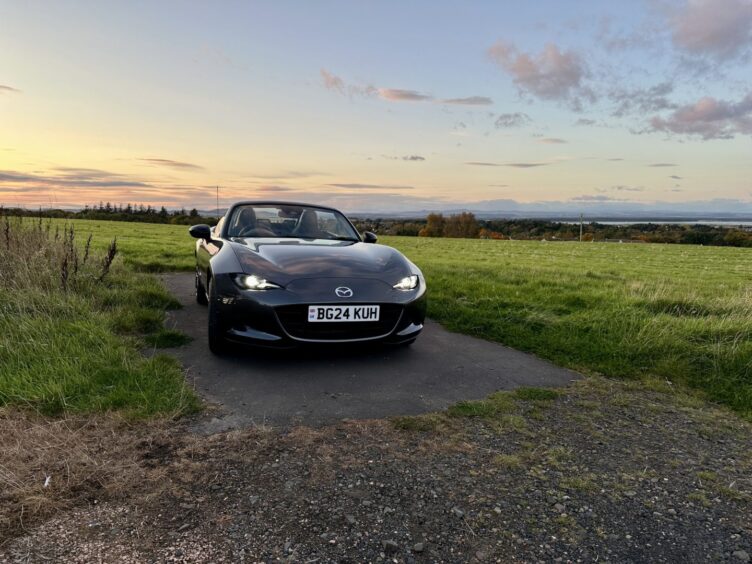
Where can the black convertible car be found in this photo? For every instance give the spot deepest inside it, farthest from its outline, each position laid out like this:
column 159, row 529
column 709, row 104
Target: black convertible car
column 279, row 274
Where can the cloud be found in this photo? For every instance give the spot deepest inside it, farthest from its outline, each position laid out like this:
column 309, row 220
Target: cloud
column 550, row 75
column 615, row 159
column 413, row 158
column 660, row 165
column 336, row 84
column 290, row 174
column 515, row 119
column 515, row 165
column 640, row 101
column 676, row 177
column 499, row 185
column 708, row 118
column 585, row 121
column 469, row 101
column 78, row 185
column 8, row 89
column 594, row 198
column 718, row 29
column 358, row 186
column 622, row 188
column 172, row 164
column 332, row 81
column 526, row 165
column 551, row 141
column 399, row 95
column 273, row 188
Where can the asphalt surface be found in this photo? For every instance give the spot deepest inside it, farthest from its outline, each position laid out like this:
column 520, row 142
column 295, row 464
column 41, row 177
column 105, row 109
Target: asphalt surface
column 316, row 387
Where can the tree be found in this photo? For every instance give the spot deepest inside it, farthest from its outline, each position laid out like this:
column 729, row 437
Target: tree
column 194, row 212
column 434, row 226
column 462, row 225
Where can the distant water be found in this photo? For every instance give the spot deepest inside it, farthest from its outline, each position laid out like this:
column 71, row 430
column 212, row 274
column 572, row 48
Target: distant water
column 712, row 222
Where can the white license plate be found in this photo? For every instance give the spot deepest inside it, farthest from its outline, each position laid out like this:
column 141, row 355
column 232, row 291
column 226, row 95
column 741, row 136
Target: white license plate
column 349, row 313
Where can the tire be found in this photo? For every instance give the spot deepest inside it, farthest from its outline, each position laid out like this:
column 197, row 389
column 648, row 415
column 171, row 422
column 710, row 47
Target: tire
column 217, row 341
column 200, row 292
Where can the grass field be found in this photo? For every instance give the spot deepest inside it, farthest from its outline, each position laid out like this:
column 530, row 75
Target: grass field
column 72, row 330
column 680, row 313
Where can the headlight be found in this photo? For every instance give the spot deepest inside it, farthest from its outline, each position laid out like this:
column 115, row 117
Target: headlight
column 253, row 282
column 407, row 283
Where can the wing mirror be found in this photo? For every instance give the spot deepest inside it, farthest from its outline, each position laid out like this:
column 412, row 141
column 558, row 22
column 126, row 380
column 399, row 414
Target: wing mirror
column 369, row 237
column 201, row 231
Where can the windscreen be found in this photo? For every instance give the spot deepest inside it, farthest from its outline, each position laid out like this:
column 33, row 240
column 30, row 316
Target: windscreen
column 283, row 221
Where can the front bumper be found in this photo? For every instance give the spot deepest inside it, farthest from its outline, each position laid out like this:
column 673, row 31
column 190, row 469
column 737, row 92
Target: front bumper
column 278, row 318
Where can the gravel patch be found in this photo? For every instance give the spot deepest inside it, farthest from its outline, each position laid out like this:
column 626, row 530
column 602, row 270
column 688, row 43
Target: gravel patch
column 603, row 470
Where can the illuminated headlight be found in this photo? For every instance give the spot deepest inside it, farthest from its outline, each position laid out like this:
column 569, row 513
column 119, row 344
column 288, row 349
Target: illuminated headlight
column 407, row 283
column 253, row 282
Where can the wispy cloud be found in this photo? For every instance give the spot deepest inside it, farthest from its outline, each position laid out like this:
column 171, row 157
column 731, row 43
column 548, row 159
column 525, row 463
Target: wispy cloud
column 552, row 141
column 516, row 119
column 526, row 165
column 676, row 177
column 551, row 75
column 623, row 188
column 400, row 95
column 640, row 101
column 8, row 89
column 480, row 163
column 469, row 101
column 336, row 84
column 585, row 121
column 661, row 165
column 413, row 158
column 172, row 164
column 359, row 186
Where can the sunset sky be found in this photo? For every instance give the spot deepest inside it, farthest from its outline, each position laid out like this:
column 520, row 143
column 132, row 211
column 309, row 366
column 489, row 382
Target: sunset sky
column 382, row 106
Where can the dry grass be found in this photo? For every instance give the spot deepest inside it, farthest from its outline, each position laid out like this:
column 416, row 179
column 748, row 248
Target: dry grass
column 48, row 465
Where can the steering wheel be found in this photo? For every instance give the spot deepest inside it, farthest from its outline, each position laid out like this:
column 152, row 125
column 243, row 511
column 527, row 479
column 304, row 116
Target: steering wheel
column 256, row 232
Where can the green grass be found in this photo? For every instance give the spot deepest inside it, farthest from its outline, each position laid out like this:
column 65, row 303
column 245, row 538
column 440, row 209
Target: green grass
column 78, row 349
column 662, row 312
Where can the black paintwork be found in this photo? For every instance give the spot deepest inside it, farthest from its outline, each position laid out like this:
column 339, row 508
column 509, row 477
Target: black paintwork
column 308, row 271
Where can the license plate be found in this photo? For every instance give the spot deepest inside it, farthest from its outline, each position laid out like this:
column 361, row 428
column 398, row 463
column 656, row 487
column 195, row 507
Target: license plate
column 350, row 313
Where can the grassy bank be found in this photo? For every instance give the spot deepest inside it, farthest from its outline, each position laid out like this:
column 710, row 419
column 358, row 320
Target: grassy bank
column 73, row 323
column 682, row 313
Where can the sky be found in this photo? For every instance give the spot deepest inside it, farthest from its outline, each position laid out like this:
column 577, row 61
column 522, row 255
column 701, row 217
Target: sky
column 377, row 105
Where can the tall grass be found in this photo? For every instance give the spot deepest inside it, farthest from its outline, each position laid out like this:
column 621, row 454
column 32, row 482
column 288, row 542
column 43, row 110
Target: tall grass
column 72, row 322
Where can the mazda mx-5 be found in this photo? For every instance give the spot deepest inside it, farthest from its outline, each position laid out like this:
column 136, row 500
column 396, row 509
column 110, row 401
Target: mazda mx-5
column 279, row 274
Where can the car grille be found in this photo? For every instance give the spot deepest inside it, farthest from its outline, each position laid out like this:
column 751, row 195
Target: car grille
column 294, row 319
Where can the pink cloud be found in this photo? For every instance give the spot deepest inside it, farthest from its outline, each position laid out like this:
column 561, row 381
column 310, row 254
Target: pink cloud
column 550, row 75
column 709, row 118
column 399, row 95
column 721, row 29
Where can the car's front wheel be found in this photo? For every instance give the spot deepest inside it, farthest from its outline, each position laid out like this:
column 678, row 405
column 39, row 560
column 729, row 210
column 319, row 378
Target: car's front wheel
column 217, row 341
column 200, row 291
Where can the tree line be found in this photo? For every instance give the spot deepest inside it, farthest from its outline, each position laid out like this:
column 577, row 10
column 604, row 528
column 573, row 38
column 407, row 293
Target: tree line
column 119, row 212
column 466, row 225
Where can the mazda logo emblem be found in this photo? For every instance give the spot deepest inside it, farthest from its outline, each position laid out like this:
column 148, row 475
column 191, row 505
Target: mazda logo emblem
column 343, row 292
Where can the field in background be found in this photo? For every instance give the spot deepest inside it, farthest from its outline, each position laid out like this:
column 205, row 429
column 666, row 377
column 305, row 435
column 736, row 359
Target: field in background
column 682, row 313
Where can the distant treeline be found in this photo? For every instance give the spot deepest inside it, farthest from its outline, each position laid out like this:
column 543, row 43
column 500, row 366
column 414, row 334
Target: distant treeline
column 463, row 225
column 468, row 226
column 119, row 212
